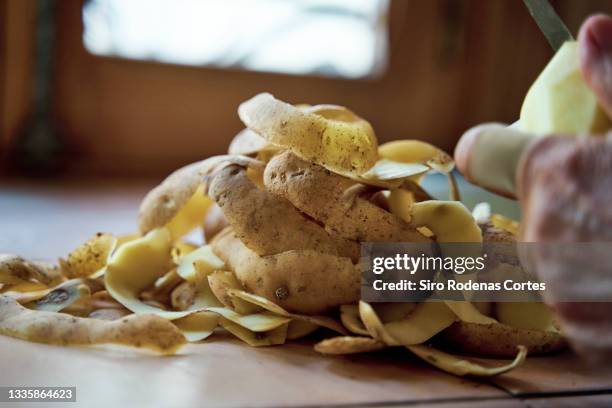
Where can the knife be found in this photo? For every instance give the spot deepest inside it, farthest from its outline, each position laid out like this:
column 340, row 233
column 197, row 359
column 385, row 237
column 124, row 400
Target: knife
column 550, row 23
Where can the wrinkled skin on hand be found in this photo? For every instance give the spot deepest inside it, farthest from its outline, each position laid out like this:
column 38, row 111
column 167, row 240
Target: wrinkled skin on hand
column 564, row 184
column 565, row 187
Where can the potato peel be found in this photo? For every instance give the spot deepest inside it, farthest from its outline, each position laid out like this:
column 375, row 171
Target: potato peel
column 197, row 265
column 322, row 321
column 500, row 340
column 137, row 265
column 16, row 270
column 261, row 339
column 331, row 136
column 462, row 367
column 146, row 331
column 164, row 205
column 89, row 257
column 348, row 345
column 425, row 321
column 62, row 296
column 349, row 315
column 197, row 326
column 417, row 152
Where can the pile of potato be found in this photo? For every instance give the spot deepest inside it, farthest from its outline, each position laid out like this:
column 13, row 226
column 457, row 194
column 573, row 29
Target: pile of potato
column 284, row 214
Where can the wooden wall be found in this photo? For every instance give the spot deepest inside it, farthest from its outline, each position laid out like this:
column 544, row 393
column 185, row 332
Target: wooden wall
column 453, row 64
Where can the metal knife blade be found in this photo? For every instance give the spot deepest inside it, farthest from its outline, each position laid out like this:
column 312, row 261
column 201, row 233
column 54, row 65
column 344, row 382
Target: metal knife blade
column 550, row 23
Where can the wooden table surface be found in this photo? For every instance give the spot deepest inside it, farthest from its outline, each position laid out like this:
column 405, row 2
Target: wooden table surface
column 44, row 220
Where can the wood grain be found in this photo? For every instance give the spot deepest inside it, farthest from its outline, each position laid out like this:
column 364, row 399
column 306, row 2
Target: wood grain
column 44, row 220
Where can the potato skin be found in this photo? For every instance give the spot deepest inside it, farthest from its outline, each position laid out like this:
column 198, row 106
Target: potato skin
column 268, row 224
column 301, row 281
column 214, row 222
column 321, row 194
column 162, row 203
column 329, row 135
column 500, row 340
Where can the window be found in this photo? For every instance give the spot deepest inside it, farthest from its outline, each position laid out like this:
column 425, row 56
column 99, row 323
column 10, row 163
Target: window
column 335, row 38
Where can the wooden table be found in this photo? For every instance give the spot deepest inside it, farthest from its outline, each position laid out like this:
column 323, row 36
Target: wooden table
column 45, row 220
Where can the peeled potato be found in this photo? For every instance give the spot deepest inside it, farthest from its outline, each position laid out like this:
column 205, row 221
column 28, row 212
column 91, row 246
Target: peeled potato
column 560, row 101
column 329, row 135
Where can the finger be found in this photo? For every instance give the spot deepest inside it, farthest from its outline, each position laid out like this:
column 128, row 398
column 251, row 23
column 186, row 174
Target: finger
column 564, row 188
column 595, row 44
column 488, row 155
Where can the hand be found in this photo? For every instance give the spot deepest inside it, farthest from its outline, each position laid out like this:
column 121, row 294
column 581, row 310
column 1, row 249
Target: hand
column 564, row 185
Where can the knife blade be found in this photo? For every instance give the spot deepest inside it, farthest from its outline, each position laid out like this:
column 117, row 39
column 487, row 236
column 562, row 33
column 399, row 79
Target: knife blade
column 550, row 23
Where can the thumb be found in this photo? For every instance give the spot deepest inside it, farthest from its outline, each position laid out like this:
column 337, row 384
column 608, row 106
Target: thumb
column 489, row 155
column 595, row 45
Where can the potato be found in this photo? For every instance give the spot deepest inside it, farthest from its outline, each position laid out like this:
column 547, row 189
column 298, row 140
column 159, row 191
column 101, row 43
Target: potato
column 268, row 224
column 148, row 331
column 560, row 101
column 175, row 203
column 329, row 135
column 321, row 194
column 500, row 340
column 303, row 281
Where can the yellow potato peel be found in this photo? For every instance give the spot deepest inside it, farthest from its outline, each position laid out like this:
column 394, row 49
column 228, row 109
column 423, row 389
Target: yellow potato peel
column 348, row 345
column 460, row 366
column 137, row 265
column 450, row 221
column 260, row 339
column 146, row 331
column 425, row 321
column 331, row 136
column 349, row 316
column 257, row 322
column 417, row 152
column 90, row 257
column 323, row 321
column 196, row 265
column 197, row 326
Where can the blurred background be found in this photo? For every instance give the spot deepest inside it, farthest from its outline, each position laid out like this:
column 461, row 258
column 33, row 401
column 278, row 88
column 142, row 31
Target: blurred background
column 141, row 87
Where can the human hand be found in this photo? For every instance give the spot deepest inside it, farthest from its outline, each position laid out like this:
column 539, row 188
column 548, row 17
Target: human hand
column 564, row 185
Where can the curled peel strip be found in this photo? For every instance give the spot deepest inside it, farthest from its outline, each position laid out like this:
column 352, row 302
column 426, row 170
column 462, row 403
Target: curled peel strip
column 329, row 135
